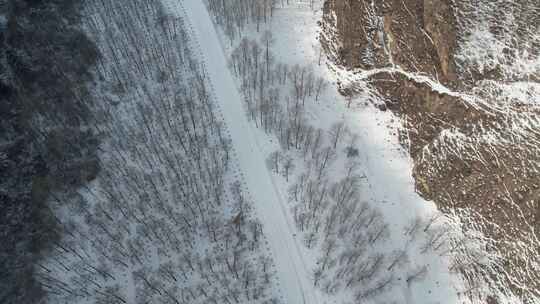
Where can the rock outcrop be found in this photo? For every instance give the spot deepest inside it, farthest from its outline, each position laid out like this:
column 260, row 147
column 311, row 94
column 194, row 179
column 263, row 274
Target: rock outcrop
column 418, row 35
column 468, row 162
column 477, row 160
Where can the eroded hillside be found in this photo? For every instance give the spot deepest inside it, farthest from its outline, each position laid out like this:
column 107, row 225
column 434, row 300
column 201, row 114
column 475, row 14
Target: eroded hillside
column 475, row 146
column 417, row 35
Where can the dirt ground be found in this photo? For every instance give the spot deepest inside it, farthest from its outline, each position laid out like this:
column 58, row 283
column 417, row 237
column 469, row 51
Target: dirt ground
column 470, row 161
column 494, row 186
column 417, row 35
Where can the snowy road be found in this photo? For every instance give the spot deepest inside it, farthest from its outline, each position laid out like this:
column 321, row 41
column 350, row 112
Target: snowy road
column 293, row 274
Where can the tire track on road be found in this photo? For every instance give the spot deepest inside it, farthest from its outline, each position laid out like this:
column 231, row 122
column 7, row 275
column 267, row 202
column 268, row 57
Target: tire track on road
column 290, row 265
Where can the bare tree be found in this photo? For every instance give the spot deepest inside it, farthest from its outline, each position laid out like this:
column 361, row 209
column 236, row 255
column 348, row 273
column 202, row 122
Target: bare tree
column 274, row 160
column 337, row 132
column 416, row 275
column 288, row 166
column 397, row 258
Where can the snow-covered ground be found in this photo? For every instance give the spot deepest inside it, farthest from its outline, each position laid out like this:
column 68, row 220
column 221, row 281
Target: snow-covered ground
column 387, row 184
column 294, row 274
column 166, row 220
column 145, row 258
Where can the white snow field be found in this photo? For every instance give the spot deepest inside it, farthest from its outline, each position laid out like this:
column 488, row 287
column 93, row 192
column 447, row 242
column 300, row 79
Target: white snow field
column 387, row 182
column 293, row 272
column 158, row 227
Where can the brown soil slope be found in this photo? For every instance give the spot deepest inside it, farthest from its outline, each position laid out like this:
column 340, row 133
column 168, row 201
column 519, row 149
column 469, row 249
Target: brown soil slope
column 480, row 161
column 468, row 165
column 417, row 35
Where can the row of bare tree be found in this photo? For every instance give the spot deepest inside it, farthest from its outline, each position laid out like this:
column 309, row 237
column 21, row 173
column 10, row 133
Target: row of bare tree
column 165, row 222
column 354, row 240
